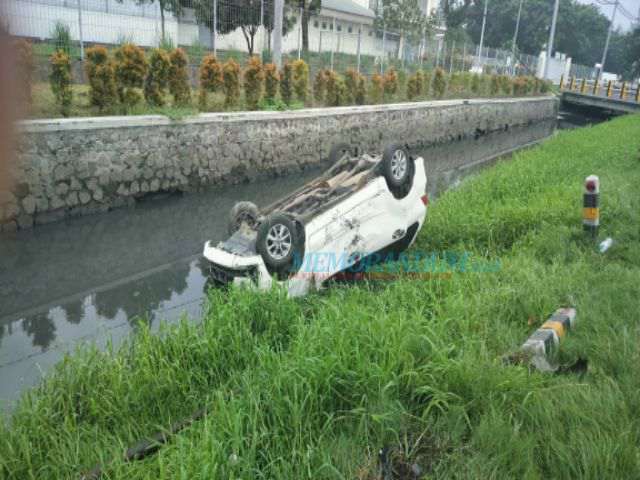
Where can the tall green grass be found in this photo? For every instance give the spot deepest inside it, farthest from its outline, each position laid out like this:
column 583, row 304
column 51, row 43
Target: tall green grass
column 313, row 388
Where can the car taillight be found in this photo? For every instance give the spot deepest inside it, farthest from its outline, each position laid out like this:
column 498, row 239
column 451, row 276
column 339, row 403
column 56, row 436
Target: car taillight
column 425, row 199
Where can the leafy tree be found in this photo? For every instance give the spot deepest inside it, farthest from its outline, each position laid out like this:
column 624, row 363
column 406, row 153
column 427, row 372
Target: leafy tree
column 307, row 8
column 404, row 17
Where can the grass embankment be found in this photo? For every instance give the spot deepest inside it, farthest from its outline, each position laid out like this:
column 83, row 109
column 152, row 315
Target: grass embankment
column 313, row 388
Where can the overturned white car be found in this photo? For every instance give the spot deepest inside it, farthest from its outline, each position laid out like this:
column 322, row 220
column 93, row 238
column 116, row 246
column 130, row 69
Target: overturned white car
column 363, row 205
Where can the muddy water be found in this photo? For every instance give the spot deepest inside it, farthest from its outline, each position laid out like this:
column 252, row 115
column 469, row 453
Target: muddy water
column 92, row 279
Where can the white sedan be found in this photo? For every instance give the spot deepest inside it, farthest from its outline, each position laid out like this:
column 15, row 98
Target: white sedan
column 363, row 205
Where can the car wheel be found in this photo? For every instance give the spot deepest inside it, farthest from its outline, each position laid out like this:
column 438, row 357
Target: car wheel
column 243, row 212
column 280, row 242
column 338, row 151
column 398, row 169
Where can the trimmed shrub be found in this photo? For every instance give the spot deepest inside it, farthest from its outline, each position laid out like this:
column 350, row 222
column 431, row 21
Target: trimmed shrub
column 413, row 86
column 390, row 84
column 505, row 85
column 351, row 80
column 476, row 84
column 301, row 79
column 336, row 90
column 420, row 82
column 231, row 82
column 101, row 75
column 377, row 88
column 466, row 82
column 60, row 81
column 361, row 90
column 253, row 82
column 426, row 84
column 320, row 85
column 494, row 85
column 130, row 69
column 179, row 77
column 157, row 80
column 286, row 83
column 210, row 78
column 439, row 83
column 271, row 82
column 24, row 70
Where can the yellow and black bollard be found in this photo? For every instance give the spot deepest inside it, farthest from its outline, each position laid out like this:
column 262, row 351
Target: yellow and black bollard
column 591, row 205
column 609, row 89
column 638, row 94
column 572, row 84
column 595, row 87
column 542, row 344
column 561, row 82
column 623, row 91
column 583, row 85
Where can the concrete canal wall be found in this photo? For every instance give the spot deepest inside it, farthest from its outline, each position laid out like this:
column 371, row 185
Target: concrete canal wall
column 76, row 166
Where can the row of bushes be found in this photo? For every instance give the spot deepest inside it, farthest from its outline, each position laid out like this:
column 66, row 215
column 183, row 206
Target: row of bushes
column 123, row 77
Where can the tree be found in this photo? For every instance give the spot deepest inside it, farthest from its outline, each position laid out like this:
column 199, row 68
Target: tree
column 404, row 17
column 306, row 8
column 166, row 6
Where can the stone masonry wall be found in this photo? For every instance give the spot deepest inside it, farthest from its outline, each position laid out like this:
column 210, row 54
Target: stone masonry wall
column 77, row 166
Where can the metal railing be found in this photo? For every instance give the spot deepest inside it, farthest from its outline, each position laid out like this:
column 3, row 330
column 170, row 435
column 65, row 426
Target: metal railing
column 610, row 89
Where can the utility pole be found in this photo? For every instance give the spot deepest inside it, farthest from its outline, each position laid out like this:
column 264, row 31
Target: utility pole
column 80, row 30
column 277, row 32
column 214, row 33
column 515, row 38
column 552, row 35
column 484, row 24
column 606, row 45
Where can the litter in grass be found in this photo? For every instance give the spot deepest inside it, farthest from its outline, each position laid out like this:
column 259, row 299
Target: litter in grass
column 605, row 245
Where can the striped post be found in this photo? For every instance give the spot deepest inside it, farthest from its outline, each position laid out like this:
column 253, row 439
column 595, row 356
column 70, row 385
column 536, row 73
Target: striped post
column 591, row 205
column 542, row 344
column 561, row 81
column 609, row 88
column 595, row 87
column 638, row 94
column 572, row 83
column 623, row 91
column 583, row 85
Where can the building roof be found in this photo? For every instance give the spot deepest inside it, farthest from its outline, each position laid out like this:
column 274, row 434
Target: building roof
column 348, row 6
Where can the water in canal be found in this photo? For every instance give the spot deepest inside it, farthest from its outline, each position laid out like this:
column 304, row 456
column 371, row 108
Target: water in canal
column 91, row 279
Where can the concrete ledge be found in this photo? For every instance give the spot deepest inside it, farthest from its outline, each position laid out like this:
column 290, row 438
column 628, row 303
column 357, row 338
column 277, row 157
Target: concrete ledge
column 81, row 165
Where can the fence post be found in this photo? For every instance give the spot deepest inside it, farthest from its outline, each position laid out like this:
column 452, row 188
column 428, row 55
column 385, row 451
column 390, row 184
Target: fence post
column 263, row 29
column 359, row 39
column 300, row 36
column 437, row 53
column 464, row 57
column 561, row 81
column 80, row 30
column 453, row 51
column 277, row 32
column 333, row 44
column 214, row 32
column 384, row 53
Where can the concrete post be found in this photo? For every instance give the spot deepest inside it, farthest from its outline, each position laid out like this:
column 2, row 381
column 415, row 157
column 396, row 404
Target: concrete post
column 484, row 24
column 591, row 205
column 80, row 30
column 277, row 32
column 606, row 44
column 552, row 36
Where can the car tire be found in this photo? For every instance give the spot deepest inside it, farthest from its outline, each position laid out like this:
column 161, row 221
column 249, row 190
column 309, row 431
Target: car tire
column 243, row 212
column 338, row 151
column 398, row 169
column 280, row 243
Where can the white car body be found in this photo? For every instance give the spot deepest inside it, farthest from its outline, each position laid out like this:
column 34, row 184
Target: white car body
column 368, row 221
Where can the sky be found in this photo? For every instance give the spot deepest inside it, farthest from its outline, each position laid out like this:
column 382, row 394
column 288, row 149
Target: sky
column 630, row 5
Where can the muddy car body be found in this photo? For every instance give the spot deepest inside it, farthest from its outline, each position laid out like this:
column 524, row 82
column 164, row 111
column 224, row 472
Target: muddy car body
column 362, row 205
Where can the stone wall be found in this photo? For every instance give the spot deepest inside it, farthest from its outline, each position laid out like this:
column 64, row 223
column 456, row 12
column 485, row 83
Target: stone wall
column 82, row 165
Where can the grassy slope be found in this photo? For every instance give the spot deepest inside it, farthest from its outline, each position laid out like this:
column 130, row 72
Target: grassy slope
column 313, row 388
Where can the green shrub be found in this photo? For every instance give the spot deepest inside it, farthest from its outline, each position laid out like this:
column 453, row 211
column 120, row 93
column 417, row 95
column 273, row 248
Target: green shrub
column 271, row 82
column 413, row 87
column 545, row 86
column 494, row 85
column 377, row 88
column 439, row 83
column 320, row 85
column 101, row 76
column 130, row 68
column 60, row 81
column 179, row 78
column 24, row 70
column 337, row 94
column 420, row 82
column 466, row 82
column 286, row 83
column 506, row 87
column 157, row 80
column 61, row 37
column 210, row 78
column 476, row 84
column 301, row 79
column 253, row 82
column 231, row 82
column 426, row 84
column 390, row 84
column 355, row 87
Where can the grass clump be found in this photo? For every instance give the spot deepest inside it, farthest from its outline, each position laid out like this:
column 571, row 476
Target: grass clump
column 315, row 387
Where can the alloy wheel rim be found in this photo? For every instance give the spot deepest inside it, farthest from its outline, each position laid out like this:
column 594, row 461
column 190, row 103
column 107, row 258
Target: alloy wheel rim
column 279, row 241
column 398, row 164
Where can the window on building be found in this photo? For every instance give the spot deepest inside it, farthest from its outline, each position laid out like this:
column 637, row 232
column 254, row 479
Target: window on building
column 350, row 29
column 331, row 26
column 339, row 27
column 324, row 25
column 315, row 24
column 371, row 32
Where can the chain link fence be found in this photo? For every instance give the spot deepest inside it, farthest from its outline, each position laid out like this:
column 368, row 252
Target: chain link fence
column 337, row 40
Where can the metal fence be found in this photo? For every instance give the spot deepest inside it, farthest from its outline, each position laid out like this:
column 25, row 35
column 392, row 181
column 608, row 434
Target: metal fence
column 337, row 40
